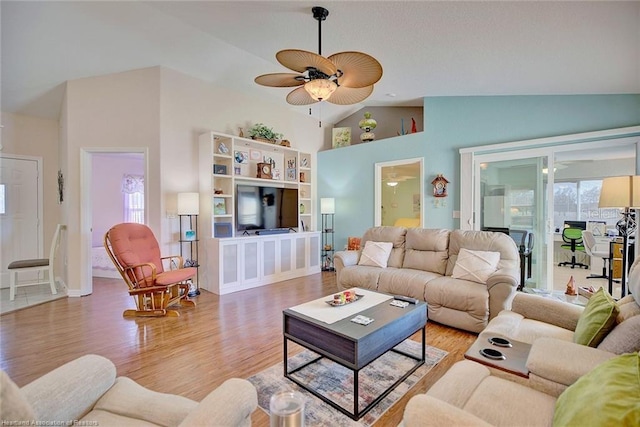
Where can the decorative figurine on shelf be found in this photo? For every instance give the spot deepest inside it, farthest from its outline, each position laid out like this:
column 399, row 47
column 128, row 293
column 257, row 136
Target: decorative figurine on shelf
column 571, row 287
column 241, row 132
column 367, row 125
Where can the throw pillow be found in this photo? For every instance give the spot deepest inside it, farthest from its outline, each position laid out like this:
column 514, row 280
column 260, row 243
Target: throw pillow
column 475, row 266
column 13, row 405
column 597, row 319
column 609, row 395
column 375, row 254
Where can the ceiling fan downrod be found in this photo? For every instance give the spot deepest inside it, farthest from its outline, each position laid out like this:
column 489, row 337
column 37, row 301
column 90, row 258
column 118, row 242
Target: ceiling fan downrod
column 320, row 14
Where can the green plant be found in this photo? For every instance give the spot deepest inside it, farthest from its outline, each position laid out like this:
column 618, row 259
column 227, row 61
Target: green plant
column 261, row 130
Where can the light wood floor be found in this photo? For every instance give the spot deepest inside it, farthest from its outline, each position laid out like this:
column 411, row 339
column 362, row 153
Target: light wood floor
column 227, row 336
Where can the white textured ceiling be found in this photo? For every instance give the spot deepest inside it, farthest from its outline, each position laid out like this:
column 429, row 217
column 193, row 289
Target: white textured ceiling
column 426, row 48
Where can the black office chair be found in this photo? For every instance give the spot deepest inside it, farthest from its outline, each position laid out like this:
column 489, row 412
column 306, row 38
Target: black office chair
column 572, row 238
column 524, row 240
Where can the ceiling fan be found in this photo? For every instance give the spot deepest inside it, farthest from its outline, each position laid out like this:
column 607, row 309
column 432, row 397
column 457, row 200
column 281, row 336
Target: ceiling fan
column 394, row 179
column 343, row 78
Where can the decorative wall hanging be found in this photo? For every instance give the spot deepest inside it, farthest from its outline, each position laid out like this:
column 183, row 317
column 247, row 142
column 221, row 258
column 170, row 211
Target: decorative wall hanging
column 60, row 186
column 439, row 186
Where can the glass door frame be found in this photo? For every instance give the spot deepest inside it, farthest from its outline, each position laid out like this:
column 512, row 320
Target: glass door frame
column 534, row 154
column 472, row 157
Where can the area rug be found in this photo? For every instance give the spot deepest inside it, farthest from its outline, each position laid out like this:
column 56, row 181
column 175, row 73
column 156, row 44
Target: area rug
column 336, row 382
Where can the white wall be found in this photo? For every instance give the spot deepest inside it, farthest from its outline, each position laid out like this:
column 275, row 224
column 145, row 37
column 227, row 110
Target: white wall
column 114, row 111
column 162, row 111
column 189, row 107
column 33, row 136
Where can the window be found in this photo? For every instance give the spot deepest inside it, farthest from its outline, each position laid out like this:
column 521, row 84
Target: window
column 578, row 201
column 133, row 194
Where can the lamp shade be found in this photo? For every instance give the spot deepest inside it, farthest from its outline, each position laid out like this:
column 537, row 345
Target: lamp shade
column 188, row 204
column 620, row 192
column 320, row 89
column 327, row 205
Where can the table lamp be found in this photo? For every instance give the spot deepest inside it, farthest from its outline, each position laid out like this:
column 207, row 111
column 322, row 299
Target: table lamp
column 622, row 192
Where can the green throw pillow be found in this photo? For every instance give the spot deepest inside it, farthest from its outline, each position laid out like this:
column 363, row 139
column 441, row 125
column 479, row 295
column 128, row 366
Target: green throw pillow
column 597, row 319
column 609, row 395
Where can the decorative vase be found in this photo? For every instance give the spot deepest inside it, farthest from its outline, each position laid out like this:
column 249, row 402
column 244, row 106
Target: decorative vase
column 367, row 125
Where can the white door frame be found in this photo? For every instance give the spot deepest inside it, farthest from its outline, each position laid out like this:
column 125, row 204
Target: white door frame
column 378, row 185
column 86, row 206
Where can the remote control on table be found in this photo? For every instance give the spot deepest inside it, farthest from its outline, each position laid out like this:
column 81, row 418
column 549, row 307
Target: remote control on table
column 407, row 299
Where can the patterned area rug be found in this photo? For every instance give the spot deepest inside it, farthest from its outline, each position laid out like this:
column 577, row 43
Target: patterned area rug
column 336, row 382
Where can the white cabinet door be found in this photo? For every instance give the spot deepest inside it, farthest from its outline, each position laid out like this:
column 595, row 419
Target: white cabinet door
column 251, row 261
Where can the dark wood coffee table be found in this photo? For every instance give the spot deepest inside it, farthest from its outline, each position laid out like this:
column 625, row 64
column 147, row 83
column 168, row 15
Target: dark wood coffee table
column 355, row 346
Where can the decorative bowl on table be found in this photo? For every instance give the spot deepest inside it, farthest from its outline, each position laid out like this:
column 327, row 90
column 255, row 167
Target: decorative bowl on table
column 344, row 298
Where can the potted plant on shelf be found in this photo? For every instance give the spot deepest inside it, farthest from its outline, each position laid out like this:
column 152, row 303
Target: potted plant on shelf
column 261, row 132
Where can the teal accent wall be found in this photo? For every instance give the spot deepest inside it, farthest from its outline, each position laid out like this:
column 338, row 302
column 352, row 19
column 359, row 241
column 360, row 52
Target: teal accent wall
column 452, row 123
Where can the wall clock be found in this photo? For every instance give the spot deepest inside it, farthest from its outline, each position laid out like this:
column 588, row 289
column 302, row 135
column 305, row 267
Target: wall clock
column 439, row 186
column 264, row 170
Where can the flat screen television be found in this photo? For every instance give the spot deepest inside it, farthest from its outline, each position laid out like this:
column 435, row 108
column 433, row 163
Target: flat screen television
column 265, row 208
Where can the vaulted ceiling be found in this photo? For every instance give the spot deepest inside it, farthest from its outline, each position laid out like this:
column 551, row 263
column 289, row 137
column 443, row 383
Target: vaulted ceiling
column 426, row 48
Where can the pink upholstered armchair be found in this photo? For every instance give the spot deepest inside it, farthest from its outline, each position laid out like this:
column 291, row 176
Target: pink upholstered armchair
column 136, row 254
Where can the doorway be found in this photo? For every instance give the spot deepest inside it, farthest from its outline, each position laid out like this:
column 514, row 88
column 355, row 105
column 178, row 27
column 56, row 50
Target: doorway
column 399, row 192
column 108, row 174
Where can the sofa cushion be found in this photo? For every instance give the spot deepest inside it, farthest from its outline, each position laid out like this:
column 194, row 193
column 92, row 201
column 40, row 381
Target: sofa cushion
column 13, row 404
column 447, row 296
column 483, row 241
column 375, row 254
column 634, row 280
column 624, row 338
column 608, row 395
column 395, row 235
column 628, row 308
column 475, row 266
column 360, row 276
column 405, row 281
column 131, row 400
column 427, row 249
column 597, row 319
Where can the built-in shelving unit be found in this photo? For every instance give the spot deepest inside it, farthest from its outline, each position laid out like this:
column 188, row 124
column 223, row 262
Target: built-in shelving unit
column 239, row 260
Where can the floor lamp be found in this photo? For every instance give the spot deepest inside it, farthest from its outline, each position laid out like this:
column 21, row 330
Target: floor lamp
column 622, row 192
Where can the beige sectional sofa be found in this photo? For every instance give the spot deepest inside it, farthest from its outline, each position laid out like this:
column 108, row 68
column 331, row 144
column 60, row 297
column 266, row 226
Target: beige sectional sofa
column 86, row 391
column 421, row 264
column 568, row 383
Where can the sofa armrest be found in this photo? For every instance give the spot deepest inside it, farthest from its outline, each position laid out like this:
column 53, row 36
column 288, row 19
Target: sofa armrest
column 343, row 259
column 502, row 286
column 423, row 410
column 563, row 362
column 231, row 404
column 70, row 391
column 547, row 310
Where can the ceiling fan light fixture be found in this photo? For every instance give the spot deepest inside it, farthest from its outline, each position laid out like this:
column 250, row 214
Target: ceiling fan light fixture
column 392, row 183
column 320, row 89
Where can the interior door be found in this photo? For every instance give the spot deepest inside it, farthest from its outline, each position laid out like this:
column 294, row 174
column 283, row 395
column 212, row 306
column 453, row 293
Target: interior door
column 19, row 224
column 514, row 198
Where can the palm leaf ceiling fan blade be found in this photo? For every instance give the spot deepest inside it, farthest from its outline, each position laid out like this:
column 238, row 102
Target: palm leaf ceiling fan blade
column 280, row 80
column 300, row 96
column 348, row 95
column 358, row 69
column 301, row 60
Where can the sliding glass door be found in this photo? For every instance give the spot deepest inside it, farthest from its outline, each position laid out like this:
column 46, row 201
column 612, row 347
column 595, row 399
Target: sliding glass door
column 514, row 199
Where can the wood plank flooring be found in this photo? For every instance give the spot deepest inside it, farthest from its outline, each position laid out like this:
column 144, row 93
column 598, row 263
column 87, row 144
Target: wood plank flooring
column 235, row 335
